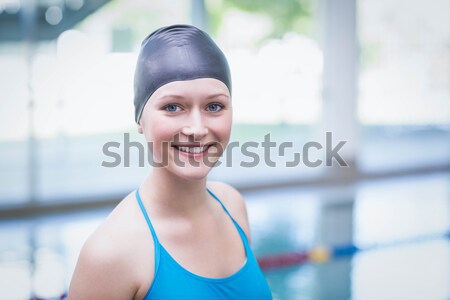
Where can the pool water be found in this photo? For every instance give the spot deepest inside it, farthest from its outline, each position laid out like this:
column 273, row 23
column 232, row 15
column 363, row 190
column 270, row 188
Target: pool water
column 401, row 226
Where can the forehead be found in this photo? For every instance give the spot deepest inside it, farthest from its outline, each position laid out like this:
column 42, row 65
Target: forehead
column 196, row 88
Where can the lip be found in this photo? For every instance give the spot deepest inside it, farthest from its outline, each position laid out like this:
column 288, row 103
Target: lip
column 190, row 145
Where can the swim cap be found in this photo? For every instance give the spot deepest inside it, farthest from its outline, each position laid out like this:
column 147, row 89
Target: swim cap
column 173, row 53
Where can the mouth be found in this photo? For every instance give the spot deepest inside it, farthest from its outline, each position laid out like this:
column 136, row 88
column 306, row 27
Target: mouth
column 192, row 149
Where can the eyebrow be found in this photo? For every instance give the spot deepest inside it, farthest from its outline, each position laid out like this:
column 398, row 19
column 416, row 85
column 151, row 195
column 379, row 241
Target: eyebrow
column 218, row 95
column 168, row 97
column 175, row 96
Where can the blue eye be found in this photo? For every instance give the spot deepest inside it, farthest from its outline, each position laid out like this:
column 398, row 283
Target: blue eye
column 214, row 107
column 171, row 108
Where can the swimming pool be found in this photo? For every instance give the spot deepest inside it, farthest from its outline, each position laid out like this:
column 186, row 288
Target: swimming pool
column 400, row 226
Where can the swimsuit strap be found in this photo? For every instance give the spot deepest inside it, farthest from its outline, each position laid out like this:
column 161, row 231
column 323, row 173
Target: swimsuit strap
column 157, row 245
column 236, row 224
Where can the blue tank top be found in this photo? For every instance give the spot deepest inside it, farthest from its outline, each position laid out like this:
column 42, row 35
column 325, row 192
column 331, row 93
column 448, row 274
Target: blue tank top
column 173, row 281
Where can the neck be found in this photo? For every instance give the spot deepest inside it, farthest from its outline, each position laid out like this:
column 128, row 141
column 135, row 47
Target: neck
column 169, row 194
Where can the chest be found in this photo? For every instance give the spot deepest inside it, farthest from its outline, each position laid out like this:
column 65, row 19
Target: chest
column 213, row 248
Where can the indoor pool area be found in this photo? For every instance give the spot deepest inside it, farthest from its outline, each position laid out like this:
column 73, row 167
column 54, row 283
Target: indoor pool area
column 379, row 239
column 331, row 118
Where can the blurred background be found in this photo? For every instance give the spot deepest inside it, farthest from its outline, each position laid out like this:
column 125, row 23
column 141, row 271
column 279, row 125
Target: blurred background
column 374, row 73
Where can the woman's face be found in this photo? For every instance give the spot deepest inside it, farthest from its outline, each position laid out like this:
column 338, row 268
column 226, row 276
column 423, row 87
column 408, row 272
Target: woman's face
column 188, row 125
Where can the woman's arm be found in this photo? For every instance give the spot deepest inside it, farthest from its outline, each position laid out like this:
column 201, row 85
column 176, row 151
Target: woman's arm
column 109, row 265
column 102, row 270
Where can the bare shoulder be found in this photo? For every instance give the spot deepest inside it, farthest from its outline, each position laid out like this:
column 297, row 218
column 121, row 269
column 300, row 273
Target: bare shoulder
column 108, row 266
column 233, row 201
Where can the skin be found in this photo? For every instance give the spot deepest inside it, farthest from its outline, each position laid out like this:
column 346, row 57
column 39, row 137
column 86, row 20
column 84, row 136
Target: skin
column 117, row 261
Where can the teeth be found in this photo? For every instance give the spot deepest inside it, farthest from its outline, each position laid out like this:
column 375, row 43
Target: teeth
column 194, row 150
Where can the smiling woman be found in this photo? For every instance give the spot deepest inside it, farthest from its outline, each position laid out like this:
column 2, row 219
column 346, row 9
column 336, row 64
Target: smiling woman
column 186, row 238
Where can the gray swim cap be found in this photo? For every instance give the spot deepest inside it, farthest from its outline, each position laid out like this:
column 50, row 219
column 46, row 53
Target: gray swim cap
column 173, row 53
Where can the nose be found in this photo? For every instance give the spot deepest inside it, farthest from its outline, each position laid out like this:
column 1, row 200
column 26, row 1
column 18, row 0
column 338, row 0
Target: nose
column 196, row 127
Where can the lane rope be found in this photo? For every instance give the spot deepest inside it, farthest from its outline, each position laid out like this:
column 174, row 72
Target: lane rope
column 323, row 254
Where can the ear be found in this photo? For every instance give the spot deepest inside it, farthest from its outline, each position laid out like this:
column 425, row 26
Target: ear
column 139, row 128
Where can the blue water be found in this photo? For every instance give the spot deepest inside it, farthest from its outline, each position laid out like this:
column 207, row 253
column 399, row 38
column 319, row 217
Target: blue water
column 401, row 221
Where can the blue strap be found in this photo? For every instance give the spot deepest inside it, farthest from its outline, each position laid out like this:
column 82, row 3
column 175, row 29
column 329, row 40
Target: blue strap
column 241, row 232
column 150, row 226
column 157, row 245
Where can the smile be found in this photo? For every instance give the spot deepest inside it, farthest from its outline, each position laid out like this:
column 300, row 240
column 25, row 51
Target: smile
column 193, row 150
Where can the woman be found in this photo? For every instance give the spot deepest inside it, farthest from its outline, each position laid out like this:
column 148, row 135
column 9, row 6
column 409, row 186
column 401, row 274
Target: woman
column 173, row 238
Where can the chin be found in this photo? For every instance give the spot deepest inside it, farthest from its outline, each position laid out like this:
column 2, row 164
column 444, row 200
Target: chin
column 192, row 173
column 187, row 171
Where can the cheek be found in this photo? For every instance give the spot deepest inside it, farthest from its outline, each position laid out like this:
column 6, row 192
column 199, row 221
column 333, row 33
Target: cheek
column 159, row 131
column 158, row 137
column 223, row 129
